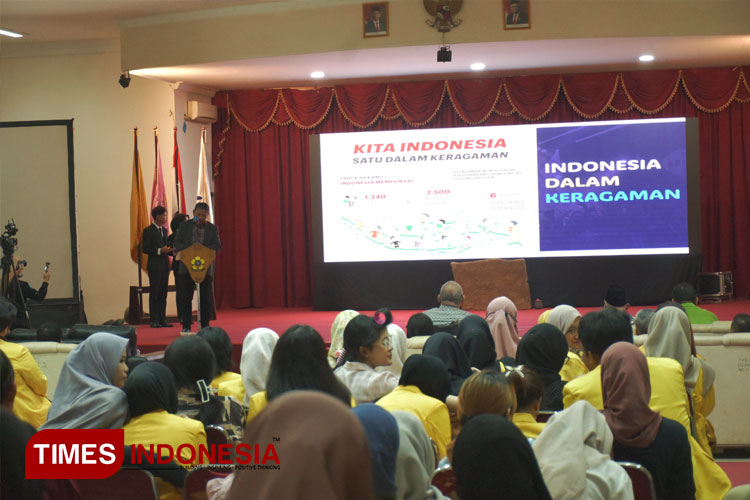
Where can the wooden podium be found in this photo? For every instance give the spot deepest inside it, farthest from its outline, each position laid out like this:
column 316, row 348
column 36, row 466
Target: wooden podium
column 197, row 259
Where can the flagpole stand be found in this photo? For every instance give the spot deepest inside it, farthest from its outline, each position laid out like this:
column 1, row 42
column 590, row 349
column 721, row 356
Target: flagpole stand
column 198, row 288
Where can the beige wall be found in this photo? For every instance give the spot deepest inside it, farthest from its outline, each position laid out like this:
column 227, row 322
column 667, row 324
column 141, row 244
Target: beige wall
column 305, row 27
column 84, row 87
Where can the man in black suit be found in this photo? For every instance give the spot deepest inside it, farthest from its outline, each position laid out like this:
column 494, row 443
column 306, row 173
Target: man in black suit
column 376, row 25
column 155, row 246
column 516, row 15
column 195, row 230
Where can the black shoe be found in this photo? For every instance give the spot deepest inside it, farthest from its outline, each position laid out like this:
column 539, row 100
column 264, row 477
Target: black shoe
column 164, row 324
column 155, row 325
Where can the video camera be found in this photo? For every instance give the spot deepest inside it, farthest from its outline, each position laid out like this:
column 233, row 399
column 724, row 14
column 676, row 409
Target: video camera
column 7, row 240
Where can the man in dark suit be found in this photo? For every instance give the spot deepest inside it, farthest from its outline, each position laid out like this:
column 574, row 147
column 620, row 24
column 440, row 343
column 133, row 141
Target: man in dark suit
column 195, row 230
column 155, row 246
column 516, row 15
column 376, row 25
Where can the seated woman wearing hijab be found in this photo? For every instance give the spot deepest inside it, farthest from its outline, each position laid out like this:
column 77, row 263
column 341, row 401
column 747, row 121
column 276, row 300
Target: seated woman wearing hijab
column 544, row 350
column 567, row 319
column 502, row 316
column 298, row 363
column 422, row 390
column 642, row 435
column 670, row 336
column 191, row 361
column 152, row 398
column 383, row 437
column 399, row 347
column 257, row 349
column 324, row 447
column 221, row 344
column 574, row 455
column 89, row 391
column 492, row 459
column 337, row 335
column 476, row 340
column 415, row 464
column 367, row 345
column 529, row 389
column 446, row 348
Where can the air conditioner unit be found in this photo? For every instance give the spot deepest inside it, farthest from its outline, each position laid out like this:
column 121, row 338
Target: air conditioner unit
column 201, row 112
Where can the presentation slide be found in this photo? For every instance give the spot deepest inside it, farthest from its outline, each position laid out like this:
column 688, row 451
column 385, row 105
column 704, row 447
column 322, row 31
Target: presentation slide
column 563, row 189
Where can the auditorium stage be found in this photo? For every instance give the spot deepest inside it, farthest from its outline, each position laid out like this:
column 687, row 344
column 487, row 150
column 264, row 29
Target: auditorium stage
column 237, row 322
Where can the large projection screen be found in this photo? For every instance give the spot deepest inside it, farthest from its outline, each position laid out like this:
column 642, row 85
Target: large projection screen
column 37, row 192
column 582, row 191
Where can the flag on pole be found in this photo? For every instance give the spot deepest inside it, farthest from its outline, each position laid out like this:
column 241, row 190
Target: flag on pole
column 204, row 188
column 139, row 216
column 158, row 192
column 181, row 206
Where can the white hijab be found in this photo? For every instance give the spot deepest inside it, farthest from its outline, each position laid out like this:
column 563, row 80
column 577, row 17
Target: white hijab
column 337, row 334
column 669, row 337
column 502, row 316
column 573, row 452
column 415, row 464
column 85, row 397
column 257, row 349
column 563, row 316
column 399, row 345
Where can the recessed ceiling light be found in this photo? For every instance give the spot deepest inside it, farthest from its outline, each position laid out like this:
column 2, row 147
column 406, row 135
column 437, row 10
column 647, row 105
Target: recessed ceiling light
column 477, row 66
column 11, row 34
column 646, row 58
column 317, row 74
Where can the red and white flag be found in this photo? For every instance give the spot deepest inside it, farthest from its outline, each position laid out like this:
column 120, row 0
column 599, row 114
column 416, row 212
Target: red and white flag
column 158, row 192
column 204, row 187
column 178, row 184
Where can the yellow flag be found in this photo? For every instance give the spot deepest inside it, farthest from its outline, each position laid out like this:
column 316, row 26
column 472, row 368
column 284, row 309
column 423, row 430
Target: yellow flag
column 139, row 216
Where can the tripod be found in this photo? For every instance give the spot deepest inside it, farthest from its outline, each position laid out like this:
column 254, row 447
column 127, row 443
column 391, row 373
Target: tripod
column 10, row 286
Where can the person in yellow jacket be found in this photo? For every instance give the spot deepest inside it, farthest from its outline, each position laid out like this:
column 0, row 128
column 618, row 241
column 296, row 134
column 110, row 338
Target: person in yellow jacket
column 152, row 400
column 567, row 319
column 422, row 390
column 599, row 330
column 221, row 345
column 31, row 404
column 529, row 390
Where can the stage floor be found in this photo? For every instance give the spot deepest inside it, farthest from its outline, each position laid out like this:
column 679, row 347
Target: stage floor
column 237, row 322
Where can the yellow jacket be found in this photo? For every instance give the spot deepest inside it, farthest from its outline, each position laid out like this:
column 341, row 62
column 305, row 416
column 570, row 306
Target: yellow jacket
column 432, row 412
column 668, row 396
column 31, row 404
column 258, row 401
column 573, row 367
column 160, row 427
column 234, row 388
column 227, row 377
column 528, row 425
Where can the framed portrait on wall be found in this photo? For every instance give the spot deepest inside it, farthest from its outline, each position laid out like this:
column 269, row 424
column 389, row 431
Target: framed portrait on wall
column 375, row 19
column 517, row 14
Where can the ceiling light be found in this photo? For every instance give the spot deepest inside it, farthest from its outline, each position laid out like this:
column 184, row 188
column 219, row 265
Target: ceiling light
column 10, row 33
column 317, row 74
column 646, row 58
column 477, row 66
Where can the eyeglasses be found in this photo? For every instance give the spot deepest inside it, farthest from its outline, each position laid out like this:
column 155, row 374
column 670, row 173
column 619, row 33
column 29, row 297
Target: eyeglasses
column 386, row 342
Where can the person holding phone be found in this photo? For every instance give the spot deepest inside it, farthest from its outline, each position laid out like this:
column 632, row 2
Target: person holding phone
column 195, row 230
column 27, row 291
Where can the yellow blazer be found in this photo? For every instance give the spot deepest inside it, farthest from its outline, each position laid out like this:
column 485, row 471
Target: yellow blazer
column 227, row 377
column 432, row 412
column 31, row 404
column 573, row 367
column 528, row 425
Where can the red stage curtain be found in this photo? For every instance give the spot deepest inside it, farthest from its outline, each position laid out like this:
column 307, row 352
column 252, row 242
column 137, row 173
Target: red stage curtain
column 261, row 156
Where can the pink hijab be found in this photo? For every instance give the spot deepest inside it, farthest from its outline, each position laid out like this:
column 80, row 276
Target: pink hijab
column 502, row 317
column 626, row 391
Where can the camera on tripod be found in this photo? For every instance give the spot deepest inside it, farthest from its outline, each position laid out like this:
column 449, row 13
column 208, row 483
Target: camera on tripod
column 7, row 240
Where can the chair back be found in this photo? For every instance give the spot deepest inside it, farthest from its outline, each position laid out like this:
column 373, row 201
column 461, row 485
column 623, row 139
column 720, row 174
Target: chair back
column 195, row 482
column 125, row 484
column 543, row 416
column 216, row 435
column 445, row 480
column 643, row 482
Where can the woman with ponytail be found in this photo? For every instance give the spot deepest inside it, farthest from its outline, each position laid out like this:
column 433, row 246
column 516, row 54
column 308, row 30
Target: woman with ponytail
column 367, row 345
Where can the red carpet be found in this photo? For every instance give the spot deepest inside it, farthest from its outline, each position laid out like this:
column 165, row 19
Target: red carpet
column 237, row 322
column 738, row 471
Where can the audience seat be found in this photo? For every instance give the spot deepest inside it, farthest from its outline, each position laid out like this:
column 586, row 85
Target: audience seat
column 445, row 480
column 50, row 356
column 715, row 327
column 415, row 345
column 195, row 482
column 125, row 484
column 643, row 483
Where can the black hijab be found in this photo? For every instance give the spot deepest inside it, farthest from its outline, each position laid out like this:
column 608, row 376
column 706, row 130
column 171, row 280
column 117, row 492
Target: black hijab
column 446, row 348
column 544, row 349
column 493, row 460
column 429, row 374
column 475, row 338
column 150, row 387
